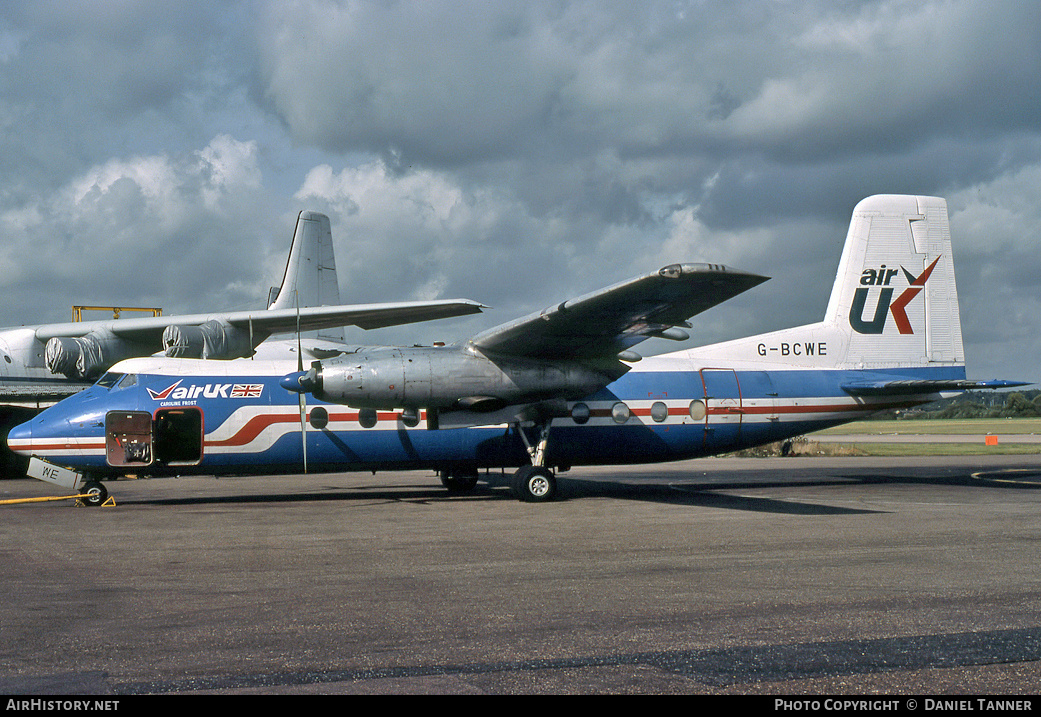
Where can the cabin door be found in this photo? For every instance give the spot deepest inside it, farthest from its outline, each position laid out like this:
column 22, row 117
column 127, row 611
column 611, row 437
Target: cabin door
column 723, row 408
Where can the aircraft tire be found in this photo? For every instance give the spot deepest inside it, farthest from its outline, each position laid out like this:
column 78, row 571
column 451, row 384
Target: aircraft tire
column 459, row 480
column 96, row 494
column 532, row 484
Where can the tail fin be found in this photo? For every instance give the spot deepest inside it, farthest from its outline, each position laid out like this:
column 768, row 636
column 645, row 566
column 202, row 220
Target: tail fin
column 895, row 296
column 310, row 277
column 894, row 303
column 894, row 306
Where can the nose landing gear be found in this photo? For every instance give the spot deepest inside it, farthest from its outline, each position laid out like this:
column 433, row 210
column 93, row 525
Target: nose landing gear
column 94, row 494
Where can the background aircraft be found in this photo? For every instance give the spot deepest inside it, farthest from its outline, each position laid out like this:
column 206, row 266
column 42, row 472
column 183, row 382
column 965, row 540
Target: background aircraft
column 558, row 388
column 42, row 364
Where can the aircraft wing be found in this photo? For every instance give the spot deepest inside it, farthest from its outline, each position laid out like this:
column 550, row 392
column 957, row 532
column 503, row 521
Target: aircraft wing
column 272, row 321
column 608, row 321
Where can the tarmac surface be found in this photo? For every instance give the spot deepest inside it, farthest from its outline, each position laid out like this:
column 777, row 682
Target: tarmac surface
column 850, row 576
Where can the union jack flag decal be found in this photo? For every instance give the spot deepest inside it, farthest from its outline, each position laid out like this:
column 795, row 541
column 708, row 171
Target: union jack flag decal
column 247, row 390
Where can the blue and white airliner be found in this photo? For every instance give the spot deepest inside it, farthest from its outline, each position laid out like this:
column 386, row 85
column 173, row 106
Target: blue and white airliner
column 559, row 388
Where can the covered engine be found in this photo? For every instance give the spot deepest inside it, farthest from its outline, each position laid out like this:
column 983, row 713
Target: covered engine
column 211, row 340
column 87, row 357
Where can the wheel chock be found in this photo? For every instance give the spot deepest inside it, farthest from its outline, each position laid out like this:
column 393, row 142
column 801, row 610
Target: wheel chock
column 110, row 502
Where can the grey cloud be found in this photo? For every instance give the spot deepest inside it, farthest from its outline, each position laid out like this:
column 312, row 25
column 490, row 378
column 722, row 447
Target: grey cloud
column 515, row 153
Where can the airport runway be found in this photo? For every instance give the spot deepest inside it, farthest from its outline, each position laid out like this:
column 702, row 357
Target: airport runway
column 797, row 576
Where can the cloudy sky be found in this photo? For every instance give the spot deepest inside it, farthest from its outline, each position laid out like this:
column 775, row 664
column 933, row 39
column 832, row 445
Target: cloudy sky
column 514, row 153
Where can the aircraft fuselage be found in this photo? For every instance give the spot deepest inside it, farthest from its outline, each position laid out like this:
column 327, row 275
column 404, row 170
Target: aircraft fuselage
column 242, row 420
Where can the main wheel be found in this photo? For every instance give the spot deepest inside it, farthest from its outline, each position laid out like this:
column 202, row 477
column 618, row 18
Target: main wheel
column 95, row 493
column 459, row 480
column 534, row 485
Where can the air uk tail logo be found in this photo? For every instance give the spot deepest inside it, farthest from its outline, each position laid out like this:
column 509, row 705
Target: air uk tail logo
column 886, row 305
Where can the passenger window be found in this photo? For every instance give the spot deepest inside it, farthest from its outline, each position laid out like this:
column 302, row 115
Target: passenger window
column 580, row 413
column 620, row 412
column 659, row 411
column 697, row 410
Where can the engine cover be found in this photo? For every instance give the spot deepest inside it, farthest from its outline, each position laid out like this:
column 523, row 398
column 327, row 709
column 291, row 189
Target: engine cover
column 87, row 357
column 211, row 340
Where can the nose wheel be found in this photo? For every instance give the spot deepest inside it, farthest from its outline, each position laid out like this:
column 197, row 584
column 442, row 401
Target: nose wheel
column 94, row 494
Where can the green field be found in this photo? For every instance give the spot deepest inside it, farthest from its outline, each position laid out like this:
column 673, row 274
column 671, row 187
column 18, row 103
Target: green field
column 981, row 427
column 933, row 449
column 948, row 427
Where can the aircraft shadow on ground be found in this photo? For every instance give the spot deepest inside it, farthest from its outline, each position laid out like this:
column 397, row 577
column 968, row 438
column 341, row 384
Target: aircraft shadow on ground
column 395, row 494
column 1022, row 479
column 693, row 494
column 708, row 495
column 748, row 665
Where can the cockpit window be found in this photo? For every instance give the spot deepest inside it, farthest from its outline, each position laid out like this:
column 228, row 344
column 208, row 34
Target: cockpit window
column 129, row 380
column 109, row 380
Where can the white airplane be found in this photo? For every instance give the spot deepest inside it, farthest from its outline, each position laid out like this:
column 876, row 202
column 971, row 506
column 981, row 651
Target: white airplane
column 42, row 364
column 555, row 389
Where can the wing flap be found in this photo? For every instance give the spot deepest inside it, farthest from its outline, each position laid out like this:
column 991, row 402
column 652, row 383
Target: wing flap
column 608, row 321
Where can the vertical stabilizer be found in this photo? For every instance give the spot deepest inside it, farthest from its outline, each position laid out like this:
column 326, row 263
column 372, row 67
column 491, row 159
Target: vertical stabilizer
column 895, row 295
column 310, row 275
column 893, row 305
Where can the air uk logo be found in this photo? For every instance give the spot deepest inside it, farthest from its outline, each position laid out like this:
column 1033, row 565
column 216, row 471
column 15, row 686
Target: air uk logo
column 163, row 395
column 886, row 305
column 176, row 392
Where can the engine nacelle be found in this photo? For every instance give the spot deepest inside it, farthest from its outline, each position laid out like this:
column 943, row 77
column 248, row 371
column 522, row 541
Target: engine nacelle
column 447, row 378
column 211, row 340
column 87, row 357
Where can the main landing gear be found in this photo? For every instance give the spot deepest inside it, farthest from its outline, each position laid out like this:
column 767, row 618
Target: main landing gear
column 535, row 483
column 459, row 480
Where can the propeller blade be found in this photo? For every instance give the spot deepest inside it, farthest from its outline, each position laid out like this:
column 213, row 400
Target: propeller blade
column 303, row 427
column 303, row 400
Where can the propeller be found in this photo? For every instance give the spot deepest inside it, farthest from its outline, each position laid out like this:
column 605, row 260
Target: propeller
column 302, row 394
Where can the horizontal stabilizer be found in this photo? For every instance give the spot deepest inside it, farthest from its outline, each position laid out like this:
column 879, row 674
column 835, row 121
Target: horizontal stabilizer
column 907, row 387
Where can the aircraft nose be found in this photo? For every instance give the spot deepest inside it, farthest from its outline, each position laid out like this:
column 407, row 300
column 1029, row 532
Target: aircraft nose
column 20, row 438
